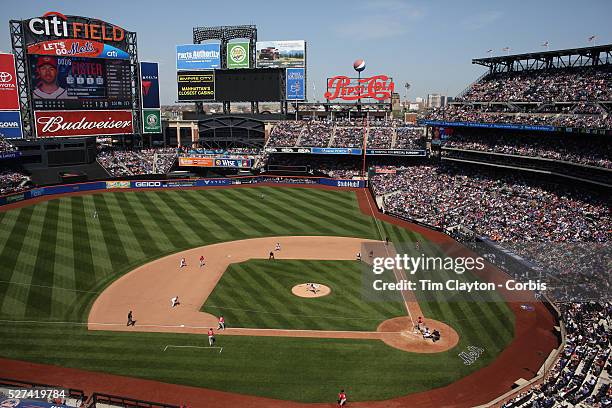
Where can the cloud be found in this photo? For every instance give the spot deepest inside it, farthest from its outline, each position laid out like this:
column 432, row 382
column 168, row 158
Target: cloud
column 481, row 20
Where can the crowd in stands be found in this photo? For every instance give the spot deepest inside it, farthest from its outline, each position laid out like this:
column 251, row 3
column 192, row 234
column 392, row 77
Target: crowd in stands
column 381, row 134
column 286, row 133
column 581, row 375
column 6, row 146
column 316, row 133
column 380, row 137
column 477, row 114
column 506, row 208
column 13, row 181
column 409, row 137
column 582, row 150
column 558, row 85
column 137, row 162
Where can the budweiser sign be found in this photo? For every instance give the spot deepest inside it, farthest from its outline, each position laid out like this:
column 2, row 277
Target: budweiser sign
column 82, row 123
column 378, row 87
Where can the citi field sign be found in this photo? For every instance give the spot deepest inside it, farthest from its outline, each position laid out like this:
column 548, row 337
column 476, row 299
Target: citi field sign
column 379, row 87
column 60, row 35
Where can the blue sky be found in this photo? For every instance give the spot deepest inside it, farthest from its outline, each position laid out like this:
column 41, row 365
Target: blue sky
column 429, row 44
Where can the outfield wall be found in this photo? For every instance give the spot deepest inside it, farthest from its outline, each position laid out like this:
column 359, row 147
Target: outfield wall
column 173, row 184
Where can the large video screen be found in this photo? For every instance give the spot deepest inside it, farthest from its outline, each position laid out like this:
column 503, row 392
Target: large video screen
column 249, row 85
column 75, row 83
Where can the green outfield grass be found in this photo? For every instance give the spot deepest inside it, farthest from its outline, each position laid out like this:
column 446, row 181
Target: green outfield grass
column 55, row 258
column 269, row 303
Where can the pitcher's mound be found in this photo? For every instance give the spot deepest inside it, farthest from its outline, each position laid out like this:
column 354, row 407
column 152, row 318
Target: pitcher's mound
column 306, row 290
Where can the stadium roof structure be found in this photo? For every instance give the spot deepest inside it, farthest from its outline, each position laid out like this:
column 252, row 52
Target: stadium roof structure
column 573, row 57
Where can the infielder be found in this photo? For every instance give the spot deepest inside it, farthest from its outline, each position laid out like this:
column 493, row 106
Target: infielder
column 202, row 262
column 277, row 246
column 221, row 323
column 175, row 301
column 211, row 337
column 341, row 398
column 183, row 263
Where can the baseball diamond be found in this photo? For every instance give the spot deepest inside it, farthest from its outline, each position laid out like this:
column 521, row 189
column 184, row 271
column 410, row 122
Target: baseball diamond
column 71, row 286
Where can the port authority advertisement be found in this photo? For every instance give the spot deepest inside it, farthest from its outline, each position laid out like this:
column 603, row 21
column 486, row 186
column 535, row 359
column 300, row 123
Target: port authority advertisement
column 238, row 55
column 198, row 56
column 196, row 85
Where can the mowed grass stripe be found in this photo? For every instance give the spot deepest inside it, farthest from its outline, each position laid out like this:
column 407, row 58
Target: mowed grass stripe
column 17, row 265
column 157, row 223
column 242, row 211
column 214, row 225
column 131, row 244
column 237, row 214
column 274, row 212
column 207, row 204
column 38, row 304
column 203, row 232
column 141, row 234
column 184, row 229
column 64, row 280
column 100, row 256
column 323, row 216
column 83, row 260
column 111, row 237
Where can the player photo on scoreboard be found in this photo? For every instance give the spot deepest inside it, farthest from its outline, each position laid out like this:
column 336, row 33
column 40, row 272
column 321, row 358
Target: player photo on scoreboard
column 76, row 83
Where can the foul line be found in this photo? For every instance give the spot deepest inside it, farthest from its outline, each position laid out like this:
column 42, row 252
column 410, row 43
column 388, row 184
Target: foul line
column 197, row 347
column 397, row 278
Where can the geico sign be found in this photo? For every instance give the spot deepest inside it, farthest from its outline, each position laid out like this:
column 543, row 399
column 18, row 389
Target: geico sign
column 148, row 184
column 58, row 25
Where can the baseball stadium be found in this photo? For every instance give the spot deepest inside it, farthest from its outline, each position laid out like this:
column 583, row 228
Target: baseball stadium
column 251, row 245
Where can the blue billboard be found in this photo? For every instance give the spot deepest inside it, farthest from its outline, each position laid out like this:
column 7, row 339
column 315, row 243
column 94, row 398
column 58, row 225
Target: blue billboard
column 295, row 88
column 512, row 126
column 149, row 78
column 198, row 56
column 10, row 124
column 336, row 150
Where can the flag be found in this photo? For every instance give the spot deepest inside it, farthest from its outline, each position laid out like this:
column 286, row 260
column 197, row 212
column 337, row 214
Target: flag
column 591, row 38
column 506, row 49
column 489, row 51
column 545, row 44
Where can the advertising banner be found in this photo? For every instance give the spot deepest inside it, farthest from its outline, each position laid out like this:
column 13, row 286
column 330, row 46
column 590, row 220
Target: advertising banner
column 281, row 54
column 379, row 87
column 342, row 183
column 238, row 55
column 151, row 119
column 336, row 150
column 196, row 85
column 61, row 83
column 395, row 152
column 289, row 150
column 117, row 184
column 77, row 48
column 82, row 123
column 149, row 79
column 198, row 56
column 213, row 182
column 295, row 84
column 88, row 31
column 487, row 125
column 9, row 96
column 10, row 155
column 215, row 162
column 10, row 124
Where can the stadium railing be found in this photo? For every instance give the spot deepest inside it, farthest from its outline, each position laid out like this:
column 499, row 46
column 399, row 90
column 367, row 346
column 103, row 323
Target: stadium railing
column 106, row 400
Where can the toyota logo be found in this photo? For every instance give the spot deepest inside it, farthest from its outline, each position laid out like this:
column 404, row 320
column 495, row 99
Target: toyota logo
column 5, row 77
